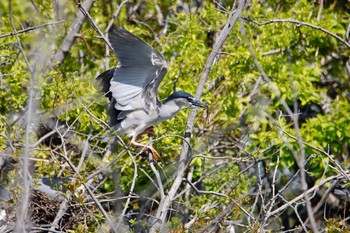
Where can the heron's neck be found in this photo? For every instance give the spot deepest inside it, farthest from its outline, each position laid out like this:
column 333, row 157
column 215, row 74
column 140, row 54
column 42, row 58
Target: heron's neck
column 169, row 109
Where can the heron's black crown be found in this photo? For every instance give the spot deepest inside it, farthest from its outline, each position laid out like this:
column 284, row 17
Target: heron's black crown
column 178, row 95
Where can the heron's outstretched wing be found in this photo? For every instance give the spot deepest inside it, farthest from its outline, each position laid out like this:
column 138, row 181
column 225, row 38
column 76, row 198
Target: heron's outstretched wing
column 105, row 84
column 136, row 80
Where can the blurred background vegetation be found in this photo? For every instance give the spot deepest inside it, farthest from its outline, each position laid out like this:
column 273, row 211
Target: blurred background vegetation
column 245, row 152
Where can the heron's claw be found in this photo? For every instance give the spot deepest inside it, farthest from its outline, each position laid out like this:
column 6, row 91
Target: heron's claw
column 155, row 154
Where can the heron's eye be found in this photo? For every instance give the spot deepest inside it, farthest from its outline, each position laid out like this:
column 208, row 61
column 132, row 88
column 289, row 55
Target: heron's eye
column 190, row 99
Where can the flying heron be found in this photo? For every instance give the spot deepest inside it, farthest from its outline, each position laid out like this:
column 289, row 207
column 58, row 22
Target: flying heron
column 132, row 88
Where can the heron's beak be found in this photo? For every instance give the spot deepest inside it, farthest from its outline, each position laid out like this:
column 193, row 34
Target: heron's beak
column 198, row 103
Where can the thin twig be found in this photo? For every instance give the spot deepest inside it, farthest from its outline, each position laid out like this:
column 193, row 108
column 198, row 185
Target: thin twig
column 178, row 76
column 320, row 10
column 295, row 209
column 156, row 173
column 94, row 25
column 121, row 216
column 46, row 136
column 30, row 28
column 9, row 142
column 64, row 204
column 274, row 196
column 341, row 170
column 324, row 198
column 298, row 159
column 86, row 148
column 301, row 196
column 299, row 23
column 102, row 169
column 202, row 191
column 42, row 229
column 223, row 214
column 116, row 14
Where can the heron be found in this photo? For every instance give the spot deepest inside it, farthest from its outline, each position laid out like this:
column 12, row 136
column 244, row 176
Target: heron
column 132, row 88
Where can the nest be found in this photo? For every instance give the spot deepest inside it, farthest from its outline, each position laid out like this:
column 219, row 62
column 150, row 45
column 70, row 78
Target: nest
column 44, row 210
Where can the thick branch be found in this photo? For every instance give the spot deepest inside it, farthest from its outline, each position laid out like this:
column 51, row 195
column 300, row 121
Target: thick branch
column 167, row 201
column 72, row 32
column 22, row 211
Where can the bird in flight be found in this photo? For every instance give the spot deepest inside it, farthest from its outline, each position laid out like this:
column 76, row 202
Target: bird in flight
column 132, row 88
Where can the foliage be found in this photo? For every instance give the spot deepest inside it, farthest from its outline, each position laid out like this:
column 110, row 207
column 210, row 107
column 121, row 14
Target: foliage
column 243, row 139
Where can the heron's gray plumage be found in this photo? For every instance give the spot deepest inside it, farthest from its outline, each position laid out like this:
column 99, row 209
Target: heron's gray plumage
column 139, row 74
column 132, row 86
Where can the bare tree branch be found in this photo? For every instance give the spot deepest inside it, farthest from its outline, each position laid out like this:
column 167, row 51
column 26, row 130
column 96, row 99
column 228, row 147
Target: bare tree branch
column 31, row 28
column 223, row 214
column 341, row 170
column 298, row 159
column 299, row 23
column 67, row 43
column 204, row 192
column 22, row 211
column 301, row 196
column 166, row 202
column 64, row 204
column 121, row 216
column 85, row 12
column 156, row 173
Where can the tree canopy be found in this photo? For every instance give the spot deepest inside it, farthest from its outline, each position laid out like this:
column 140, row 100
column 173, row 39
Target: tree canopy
column 270, row 154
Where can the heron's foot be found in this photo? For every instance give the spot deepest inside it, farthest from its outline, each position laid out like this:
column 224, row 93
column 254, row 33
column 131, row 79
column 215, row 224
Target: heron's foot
column 155, row 154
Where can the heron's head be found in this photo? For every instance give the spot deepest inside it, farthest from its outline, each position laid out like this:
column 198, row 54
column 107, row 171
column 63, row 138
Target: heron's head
column 184, row 99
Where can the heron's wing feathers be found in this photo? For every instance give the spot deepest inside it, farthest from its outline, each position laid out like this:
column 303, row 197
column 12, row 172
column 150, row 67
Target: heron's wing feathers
column 105, row 83
column 136, row 80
